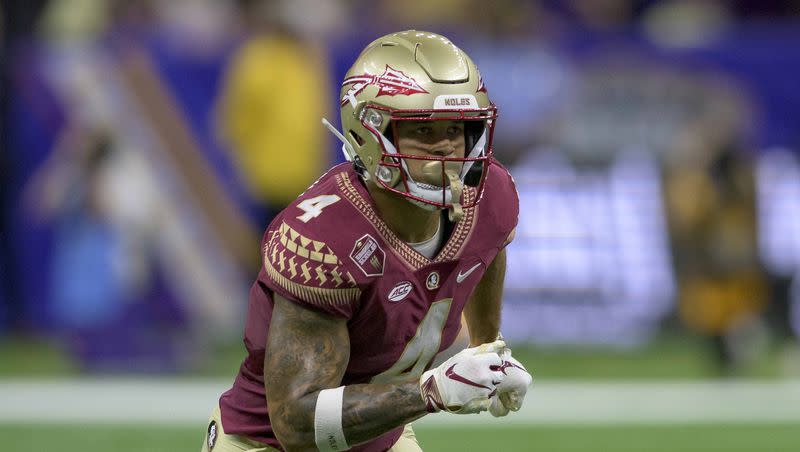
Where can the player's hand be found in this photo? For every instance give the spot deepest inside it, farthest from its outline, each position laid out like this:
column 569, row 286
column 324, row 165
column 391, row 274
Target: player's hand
column 466, row 382
column 511, row 391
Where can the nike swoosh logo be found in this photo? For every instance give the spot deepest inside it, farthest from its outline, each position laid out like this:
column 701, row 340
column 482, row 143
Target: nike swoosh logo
column 504, row 366
column 462, row 276
column 451, row 374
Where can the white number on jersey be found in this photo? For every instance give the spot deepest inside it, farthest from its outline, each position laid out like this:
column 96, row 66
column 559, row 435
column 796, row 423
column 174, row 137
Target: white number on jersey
column 421, row 349
column 313, row 207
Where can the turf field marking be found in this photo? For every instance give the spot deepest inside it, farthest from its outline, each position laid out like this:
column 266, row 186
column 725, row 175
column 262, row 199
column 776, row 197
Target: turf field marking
column 175, row 402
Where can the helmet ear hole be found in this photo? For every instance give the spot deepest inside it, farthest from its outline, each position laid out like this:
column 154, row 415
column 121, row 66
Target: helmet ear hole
column 358, row 139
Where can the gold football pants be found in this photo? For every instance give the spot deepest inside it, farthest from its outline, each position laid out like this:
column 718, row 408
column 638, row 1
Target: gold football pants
column 217, row 440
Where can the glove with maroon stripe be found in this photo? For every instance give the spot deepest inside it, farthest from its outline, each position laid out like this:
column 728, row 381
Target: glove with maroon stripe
column 466, row 382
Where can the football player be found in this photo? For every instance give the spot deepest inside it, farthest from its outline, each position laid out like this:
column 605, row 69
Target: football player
column 366, row 275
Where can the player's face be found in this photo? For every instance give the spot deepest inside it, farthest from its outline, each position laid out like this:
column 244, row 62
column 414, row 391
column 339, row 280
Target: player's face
column 431, row 138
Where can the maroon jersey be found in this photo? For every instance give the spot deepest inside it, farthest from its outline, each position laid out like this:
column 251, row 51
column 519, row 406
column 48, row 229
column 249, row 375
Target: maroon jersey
column 330, row 251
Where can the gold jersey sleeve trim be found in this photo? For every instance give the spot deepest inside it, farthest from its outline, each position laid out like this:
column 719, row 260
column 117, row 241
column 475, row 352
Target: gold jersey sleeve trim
column 293, row 261
column 313, row 295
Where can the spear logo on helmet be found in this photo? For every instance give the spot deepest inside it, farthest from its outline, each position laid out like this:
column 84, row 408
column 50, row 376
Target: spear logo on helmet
column 391, row 83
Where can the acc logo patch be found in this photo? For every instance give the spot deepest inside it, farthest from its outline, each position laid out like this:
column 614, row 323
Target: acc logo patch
column 211, row 435
column 400, row 291
column 368, row 256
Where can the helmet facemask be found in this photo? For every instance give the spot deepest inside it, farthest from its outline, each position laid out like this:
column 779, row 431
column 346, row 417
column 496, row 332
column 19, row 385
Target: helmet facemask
column 441, row 180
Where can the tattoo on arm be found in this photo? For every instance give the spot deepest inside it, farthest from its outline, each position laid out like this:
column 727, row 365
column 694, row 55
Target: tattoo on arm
column 373, row 409
column 482, row 312
column 308, row 351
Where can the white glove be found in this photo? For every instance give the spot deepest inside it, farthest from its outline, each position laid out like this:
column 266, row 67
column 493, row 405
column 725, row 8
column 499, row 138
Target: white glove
column 464, row 383
column 511, row 391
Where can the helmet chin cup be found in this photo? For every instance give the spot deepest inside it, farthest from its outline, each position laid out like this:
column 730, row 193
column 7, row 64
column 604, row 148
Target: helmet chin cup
column 455, row 211
column 432, row 172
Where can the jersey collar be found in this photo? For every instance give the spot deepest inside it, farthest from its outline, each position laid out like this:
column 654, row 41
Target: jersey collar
column 358, row 196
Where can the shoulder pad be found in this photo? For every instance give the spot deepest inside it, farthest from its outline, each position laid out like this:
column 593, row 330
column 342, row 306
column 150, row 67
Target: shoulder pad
column 307, row 269
column 501, row 197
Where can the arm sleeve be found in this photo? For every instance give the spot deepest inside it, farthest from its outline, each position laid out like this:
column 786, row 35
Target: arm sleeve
column 308, row 272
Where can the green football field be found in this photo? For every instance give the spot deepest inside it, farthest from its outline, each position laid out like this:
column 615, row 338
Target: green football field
column 641, row 400
column 657, row 438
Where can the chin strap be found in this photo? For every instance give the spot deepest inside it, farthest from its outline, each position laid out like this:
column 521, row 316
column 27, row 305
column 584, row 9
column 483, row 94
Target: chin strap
column 456, row 211
column 347, row 148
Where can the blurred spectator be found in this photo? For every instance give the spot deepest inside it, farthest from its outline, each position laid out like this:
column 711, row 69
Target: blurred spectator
column 275, row 94
column 68, row 192
column 710, row 198
column 102, row 276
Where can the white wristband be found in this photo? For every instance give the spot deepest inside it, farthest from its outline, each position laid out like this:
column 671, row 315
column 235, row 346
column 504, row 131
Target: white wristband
column 328, row 433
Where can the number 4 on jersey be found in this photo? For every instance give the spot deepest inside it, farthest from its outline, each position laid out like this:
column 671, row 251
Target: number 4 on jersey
column 313, row 207
column 422, row 348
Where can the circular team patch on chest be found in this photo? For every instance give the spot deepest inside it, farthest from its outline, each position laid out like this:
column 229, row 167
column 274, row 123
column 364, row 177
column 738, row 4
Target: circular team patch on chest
column 400, row 291
column 211, row 435
column 432, row 283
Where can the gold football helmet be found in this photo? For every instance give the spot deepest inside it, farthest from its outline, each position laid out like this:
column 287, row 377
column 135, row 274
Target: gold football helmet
column 416, row 76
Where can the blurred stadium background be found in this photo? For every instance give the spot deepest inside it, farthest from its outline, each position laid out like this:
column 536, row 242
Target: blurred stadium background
column 653, row 288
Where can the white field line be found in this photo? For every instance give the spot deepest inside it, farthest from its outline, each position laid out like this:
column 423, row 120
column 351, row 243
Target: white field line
column 188, row 402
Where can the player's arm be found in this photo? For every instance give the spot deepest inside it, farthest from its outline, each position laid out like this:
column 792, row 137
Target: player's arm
column 307, row 352
column 482, row 312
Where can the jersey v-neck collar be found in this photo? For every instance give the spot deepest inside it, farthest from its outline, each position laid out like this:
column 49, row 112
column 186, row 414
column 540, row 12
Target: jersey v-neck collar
column 359, row 197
